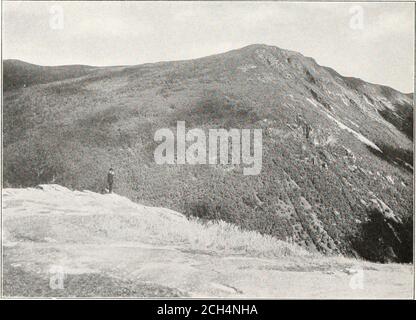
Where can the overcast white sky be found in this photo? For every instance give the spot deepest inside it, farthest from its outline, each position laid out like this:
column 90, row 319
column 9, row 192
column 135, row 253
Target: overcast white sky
column 120, row 33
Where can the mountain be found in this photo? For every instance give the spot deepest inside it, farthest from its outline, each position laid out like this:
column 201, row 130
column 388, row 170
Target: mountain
column 18, row 74
column 64, row 243
column 347, row 190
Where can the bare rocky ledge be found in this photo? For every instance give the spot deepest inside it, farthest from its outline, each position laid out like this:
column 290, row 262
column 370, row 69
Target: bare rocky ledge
column 104, row 245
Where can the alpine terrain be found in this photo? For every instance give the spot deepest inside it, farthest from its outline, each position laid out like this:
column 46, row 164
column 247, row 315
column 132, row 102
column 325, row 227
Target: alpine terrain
column 347, row 189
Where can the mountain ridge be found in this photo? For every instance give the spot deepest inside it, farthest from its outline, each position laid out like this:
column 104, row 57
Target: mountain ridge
column 328, row 193
column 248, row 47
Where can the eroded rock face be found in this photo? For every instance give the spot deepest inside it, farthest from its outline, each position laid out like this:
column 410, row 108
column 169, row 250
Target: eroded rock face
column 387, row 213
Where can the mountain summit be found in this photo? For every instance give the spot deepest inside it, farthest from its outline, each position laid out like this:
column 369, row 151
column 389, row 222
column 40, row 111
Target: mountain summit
column 331, row 193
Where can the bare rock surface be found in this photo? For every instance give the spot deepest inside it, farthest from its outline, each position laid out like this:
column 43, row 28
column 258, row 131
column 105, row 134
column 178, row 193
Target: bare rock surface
column 106, row 245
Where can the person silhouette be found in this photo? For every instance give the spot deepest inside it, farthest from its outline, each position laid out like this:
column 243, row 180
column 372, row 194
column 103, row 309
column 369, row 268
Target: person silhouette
column 110, row 180
column 306, row 127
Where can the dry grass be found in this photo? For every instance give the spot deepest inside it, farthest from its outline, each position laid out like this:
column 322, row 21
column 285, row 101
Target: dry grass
column 109, row 246
column 65, row 216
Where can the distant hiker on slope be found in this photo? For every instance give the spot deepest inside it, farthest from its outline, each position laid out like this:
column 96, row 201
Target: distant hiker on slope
column 110, row 180
column 306, row 128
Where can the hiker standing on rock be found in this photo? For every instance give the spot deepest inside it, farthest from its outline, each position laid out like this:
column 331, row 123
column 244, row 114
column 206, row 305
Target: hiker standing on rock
column 110, row 180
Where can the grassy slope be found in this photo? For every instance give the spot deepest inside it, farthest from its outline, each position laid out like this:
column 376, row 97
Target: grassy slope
column 71, row 131
column 18, row 74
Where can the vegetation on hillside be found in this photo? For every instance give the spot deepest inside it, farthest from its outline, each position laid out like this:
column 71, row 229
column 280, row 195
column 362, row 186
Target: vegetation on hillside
column 316, row 193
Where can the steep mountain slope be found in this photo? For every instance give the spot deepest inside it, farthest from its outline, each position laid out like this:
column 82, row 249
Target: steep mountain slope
column 331, row 194
column 66, row 243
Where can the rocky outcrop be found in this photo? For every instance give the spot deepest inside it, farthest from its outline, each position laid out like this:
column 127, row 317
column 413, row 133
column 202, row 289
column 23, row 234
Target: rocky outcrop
column 63, row 243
